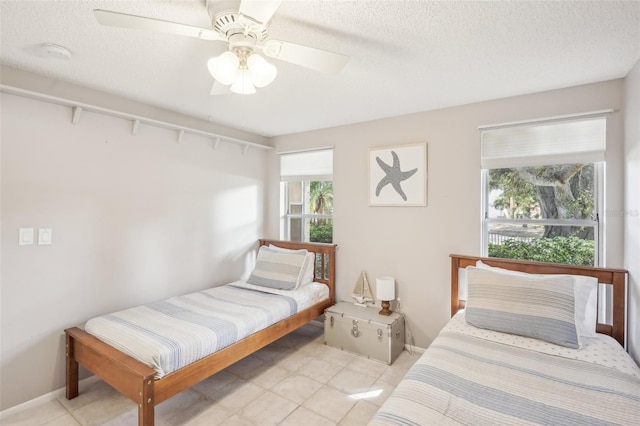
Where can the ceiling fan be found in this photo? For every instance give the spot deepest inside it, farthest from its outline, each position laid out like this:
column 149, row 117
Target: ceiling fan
column 243, row 25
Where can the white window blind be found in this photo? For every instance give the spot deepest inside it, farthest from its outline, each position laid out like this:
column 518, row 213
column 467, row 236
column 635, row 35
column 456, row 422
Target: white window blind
column 561, row 142
column 314, row 165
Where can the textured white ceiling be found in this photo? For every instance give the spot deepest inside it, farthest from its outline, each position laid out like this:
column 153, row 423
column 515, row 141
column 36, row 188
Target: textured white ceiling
column 405, row 56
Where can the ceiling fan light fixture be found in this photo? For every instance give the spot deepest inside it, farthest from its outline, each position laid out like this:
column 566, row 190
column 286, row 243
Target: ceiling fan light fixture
column 243, row 26
column 243, row 83
column 224, row 67
column 262, row 72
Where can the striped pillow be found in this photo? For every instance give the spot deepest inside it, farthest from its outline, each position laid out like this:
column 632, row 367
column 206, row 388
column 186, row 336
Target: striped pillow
column 533, row 306
column 277, row 269
column 308, row 267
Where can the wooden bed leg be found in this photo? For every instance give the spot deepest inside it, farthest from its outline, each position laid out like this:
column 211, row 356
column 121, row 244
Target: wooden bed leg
column 146, row 403
column 72, row 370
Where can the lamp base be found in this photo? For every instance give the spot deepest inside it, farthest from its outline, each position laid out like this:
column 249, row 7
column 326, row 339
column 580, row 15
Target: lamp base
column 385, row 308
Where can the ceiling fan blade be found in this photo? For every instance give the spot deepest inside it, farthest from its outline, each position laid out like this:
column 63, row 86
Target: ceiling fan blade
column 260, row 10
column 123, row 20
column 305, row 56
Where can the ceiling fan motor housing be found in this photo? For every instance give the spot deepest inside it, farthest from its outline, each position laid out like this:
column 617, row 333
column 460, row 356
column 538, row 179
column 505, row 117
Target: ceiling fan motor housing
column 226, row 20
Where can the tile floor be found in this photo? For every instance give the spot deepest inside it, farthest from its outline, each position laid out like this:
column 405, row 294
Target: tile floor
column 296, row 381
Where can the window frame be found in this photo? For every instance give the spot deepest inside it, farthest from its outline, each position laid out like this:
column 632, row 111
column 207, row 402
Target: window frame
column 305, row 167
column 596, row 222
column 285, row 229
column 578, row 138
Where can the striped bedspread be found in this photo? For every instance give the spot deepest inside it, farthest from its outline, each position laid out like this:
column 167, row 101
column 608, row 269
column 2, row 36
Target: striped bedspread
column 462, row 379
column 175, row 332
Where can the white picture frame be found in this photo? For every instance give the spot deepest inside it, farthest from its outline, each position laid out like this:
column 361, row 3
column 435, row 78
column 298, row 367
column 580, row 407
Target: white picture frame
column 398, row 175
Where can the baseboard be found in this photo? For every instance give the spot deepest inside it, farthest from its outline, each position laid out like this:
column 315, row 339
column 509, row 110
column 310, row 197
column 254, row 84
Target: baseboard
column 43, row 398
column 414, row 349
column 318, row 322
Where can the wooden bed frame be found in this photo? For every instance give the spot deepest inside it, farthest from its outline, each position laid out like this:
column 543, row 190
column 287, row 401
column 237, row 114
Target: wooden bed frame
column 136, row 380
column 616, row 278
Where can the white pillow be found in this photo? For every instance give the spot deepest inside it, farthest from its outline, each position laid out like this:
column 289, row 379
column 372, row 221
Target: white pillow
column 586, row 293
column 308, row 266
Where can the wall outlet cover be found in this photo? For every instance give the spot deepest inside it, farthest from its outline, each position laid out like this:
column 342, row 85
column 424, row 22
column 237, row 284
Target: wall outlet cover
column 25, row 237
column 45, row 236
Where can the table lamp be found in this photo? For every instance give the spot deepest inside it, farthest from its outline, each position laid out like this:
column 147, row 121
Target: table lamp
column 386, row 289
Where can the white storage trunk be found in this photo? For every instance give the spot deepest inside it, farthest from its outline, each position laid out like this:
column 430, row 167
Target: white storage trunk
column 364, row 332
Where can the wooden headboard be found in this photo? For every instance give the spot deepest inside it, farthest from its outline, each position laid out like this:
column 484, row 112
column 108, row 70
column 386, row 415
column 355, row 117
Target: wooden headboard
column 616, row 278
column 325, row 270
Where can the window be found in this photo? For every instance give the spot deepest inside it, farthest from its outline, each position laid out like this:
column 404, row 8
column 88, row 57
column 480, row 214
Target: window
column 306, row 196
column 542, row 190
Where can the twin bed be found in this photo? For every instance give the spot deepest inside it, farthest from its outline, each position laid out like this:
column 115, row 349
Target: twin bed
column 536, row 353
column 152, row 352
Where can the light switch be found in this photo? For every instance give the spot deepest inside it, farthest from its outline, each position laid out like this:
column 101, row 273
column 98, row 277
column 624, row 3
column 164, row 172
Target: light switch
column 26, row 237
column 45, row 236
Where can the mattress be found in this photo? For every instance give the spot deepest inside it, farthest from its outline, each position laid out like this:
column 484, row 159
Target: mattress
column 170, row 334
column 473, row 377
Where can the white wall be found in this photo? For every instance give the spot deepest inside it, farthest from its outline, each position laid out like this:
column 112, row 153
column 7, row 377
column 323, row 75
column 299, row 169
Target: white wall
column 632, row 204
column 413, row 243
column 134, row 219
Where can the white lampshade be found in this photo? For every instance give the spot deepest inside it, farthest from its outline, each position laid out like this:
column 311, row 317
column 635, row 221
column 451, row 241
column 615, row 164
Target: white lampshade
column 386, row 288
column 224, row 67
column 244, row 83
column 263, row 72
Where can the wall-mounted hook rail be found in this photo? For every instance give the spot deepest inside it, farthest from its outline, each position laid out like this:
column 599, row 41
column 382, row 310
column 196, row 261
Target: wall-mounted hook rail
column 79, row 107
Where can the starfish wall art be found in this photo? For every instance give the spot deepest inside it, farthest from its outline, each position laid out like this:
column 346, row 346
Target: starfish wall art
column 398, row 175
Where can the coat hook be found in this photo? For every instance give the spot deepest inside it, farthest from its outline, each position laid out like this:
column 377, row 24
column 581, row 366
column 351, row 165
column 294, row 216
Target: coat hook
column 134, row 128
column 76, row 114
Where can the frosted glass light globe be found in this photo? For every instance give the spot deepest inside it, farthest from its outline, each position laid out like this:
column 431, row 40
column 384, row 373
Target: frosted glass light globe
column 263, row 72
column 224, row 67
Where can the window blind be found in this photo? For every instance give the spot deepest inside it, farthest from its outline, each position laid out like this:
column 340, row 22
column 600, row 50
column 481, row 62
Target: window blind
column 562, row 142
column 314, row 165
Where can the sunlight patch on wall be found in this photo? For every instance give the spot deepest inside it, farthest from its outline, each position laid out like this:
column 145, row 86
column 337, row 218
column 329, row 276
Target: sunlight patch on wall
column 235, row 208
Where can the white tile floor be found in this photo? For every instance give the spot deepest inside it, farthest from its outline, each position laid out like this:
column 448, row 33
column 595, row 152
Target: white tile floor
column 296, row 381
